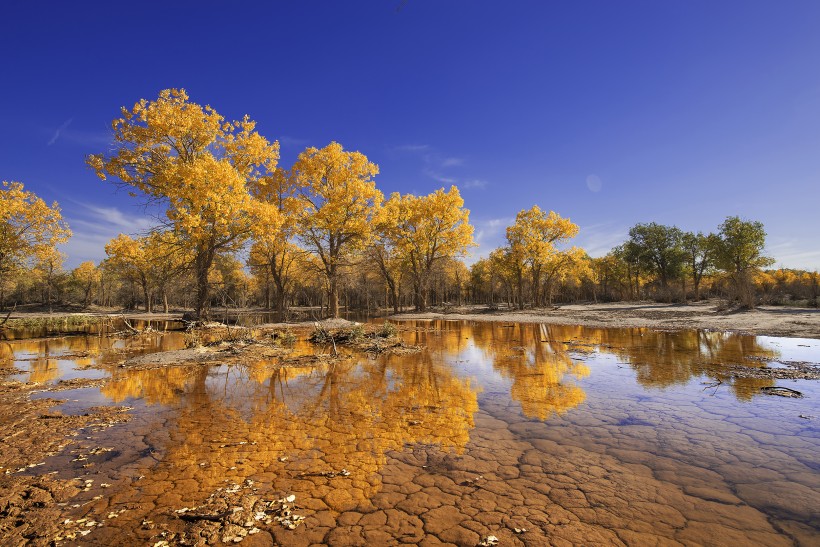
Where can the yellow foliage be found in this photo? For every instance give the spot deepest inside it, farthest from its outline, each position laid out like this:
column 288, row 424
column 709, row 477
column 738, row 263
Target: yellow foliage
column 423, row 230
column 337, row 200
column 535, row 233
column 199, row 165
column 86, row 273
column 29, row 228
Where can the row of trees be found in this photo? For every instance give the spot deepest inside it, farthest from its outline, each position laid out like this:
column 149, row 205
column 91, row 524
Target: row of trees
column 221, row 189
column 321, row 230
column 659, row 260
column 535, row 268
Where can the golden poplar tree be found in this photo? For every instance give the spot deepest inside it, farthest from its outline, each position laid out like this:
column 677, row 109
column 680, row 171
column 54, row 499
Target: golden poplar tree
column 272, row 247
column 86, row 275
column 200, row 166
column 150, row 261
column 532, row 240
column 337, row 200
column 424, row 230
column 29, row 228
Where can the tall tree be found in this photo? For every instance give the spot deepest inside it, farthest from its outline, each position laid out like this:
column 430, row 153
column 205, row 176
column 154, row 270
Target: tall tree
column 86, row 275
column 199, row 166
column 532, row 240
column 389, row 264
column 150, row 261
column 659, row 250
column 30, row 230
column 700, row 252
column 424, row 230
column 338, row 200
column 740, row 254
column 272, row 233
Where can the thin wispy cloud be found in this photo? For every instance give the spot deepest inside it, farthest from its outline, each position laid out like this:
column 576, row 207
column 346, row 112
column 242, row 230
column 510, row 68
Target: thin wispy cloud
column 292, row 142
column 440, row 177
column 598, row 239
column 789, row 254
column 59, row 131
column 93, row 226
column 113, row 217
column 411, row 148
column 440, row 167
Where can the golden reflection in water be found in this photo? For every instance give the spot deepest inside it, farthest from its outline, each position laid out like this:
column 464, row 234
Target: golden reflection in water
column 544, row 360
column 43, row 355
column 154, row 386
column 662, row 359
column 296, row 424
column 541, row 370
column 6, row 354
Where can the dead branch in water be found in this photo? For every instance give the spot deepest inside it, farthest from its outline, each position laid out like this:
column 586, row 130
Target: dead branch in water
column 128, row 325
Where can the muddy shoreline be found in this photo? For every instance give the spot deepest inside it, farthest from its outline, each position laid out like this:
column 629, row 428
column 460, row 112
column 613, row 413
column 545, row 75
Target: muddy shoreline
column 763, row 321
column 710, row 315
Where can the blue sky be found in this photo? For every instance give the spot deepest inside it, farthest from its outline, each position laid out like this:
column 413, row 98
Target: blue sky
column 610, row 113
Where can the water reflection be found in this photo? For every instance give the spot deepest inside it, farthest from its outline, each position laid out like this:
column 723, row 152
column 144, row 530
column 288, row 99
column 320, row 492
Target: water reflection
column 545, row 361
column 662, row 359
column 48, row 360
column 404, row 434
column 79, row 325
column 302, row 423
column 543, row 373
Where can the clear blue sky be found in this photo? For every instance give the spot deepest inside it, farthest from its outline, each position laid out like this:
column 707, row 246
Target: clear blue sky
column 610, row 113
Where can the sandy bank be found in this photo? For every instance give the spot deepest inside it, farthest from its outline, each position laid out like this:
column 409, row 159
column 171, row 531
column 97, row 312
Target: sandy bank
column 765, row 320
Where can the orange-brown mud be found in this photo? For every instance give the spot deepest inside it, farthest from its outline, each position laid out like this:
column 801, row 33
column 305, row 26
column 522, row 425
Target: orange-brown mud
column 533, row 434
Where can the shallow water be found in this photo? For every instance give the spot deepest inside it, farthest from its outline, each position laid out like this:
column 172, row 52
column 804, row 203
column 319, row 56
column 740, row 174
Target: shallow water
column 578, row 435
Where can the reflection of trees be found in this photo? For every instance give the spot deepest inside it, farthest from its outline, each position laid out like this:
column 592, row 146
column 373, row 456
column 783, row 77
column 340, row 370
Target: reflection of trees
column 295, row 423
column 536, row 360
column 155, row 386
column 537, row 357
column 661, row 359
column 43, row 355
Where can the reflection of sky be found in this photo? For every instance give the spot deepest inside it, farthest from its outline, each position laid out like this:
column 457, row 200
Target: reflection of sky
column 793, row 349
column 77, row 401
column 471, row 360
column 54, row 370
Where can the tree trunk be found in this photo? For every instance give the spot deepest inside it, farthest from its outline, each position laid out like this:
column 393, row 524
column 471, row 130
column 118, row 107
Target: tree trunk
column 536, row 275
column 333, row 297
column 394, row 295
column 202, row 265
column 520, row 277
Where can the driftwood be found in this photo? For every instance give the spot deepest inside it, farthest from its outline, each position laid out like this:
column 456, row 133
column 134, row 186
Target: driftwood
column 129, row 326
column 782, row 391
column 213, row 518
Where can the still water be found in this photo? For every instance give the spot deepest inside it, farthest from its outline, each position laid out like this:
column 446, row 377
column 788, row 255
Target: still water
column 575, row 435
